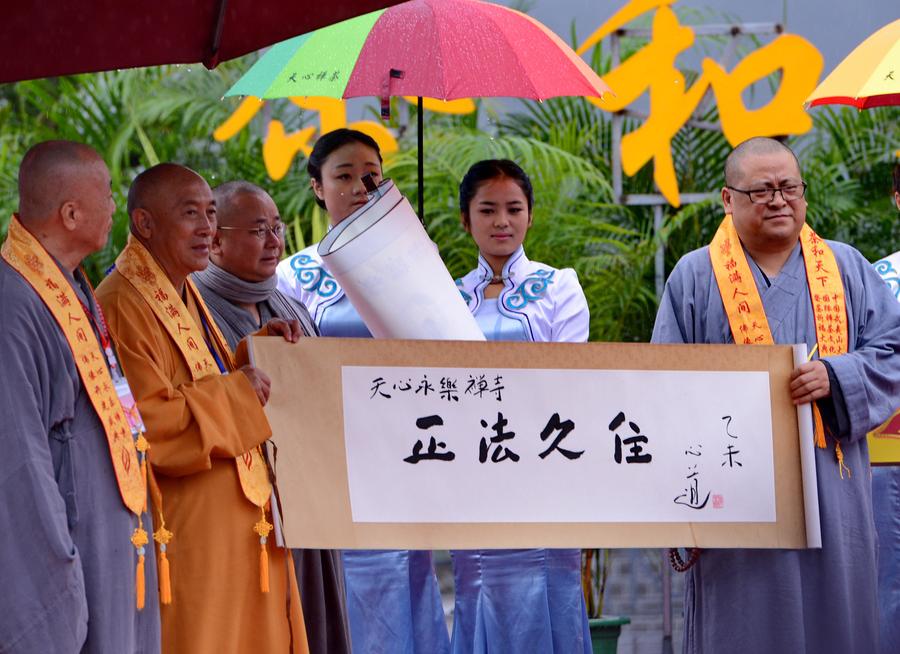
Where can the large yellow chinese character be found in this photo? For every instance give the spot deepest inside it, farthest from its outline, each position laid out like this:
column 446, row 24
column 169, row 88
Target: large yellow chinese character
column 672, row 103
column 279, row 148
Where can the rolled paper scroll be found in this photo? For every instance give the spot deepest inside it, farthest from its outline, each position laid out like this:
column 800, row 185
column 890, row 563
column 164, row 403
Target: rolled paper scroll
column 392, row 273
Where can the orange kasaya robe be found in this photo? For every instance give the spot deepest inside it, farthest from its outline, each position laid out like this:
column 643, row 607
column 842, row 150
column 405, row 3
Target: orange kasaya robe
column 196, row 429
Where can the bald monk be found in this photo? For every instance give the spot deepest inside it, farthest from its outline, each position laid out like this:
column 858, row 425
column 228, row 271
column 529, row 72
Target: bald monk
column 73, row 524
column 238, row 286
column 767, row 277
column 233, row 589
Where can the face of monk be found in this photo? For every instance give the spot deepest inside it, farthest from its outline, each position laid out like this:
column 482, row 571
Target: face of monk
column 774, row 225
column 94, row 204
column 239, row 249
column 341, row 188
column 182, row 224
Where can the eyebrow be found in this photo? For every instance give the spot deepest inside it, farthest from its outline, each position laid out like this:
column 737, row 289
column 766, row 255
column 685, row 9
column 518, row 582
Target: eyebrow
column 784, row 180
column 350, row 164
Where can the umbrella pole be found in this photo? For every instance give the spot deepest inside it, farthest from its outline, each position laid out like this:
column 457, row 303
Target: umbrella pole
column 421, row 145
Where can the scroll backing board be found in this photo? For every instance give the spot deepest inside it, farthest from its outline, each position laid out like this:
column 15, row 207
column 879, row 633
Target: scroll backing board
column 306, row 410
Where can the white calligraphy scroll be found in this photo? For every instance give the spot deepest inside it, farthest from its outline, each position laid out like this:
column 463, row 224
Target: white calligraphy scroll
column 614, row 445
column 638, row 446
column 808, row 460
column 392, row 273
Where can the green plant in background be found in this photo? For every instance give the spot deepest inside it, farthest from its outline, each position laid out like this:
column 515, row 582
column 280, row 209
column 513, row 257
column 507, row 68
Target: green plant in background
column 595, row 567
column 136, row 118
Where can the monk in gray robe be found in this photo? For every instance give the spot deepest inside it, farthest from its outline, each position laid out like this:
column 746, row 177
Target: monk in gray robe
column 67, row 567
column 239, row 287
column 786, row 601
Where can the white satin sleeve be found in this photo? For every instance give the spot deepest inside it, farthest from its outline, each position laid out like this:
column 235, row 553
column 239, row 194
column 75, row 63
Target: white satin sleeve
column 571, row 319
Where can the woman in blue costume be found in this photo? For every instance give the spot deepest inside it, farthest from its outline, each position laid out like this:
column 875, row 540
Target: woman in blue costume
column 516, row 601
column 393, row 602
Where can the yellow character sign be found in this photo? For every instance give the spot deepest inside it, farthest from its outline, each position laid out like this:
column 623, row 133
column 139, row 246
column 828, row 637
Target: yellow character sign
column 651, row 69
column 671, row 103
column 280, row 148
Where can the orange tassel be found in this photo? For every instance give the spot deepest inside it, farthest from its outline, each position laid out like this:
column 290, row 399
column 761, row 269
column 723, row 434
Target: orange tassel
column 818, row 427
column 839, row 455
column 139, row 582
column 263, row 528
column 139, row 539
column 263, row 568
column 162, row 536
column 165, row 585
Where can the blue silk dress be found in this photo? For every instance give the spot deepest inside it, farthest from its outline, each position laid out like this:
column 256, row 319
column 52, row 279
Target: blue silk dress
column 393, row 601
column 520, row 601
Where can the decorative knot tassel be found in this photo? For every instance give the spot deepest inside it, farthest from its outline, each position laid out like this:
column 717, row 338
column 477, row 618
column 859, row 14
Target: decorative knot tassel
column 263, row 528
column 263, row 568
column 819, row 427
column 139, row 539
column 139, row 582
column 163, row 536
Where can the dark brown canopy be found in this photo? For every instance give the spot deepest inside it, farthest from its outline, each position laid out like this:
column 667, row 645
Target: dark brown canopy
column 46, row 38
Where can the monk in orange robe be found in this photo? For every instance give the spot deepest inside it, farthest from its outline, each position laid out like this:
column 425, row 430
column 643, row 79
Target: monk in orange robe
column 232, row 588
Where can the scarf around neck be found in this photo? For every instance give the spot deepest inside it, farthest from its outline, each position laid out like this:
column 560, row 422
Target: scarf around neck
column 225, row 291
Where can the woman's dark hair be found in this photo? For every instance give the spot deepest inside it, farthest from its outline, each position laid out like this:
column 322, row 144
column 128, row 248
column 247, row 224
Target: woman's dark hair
column 330, row 142
column 485, row 171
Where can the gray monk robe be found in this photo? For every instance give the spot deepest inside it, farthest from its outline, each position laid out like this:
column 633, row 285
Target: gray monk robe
column 320, row 573
column 794, row 601
column 67, row 568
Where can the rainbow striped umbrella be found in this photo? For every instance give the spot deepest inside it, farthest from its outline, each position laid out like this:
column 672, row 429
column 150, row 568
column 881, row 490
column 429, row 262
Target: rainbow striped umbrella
column 445, row 49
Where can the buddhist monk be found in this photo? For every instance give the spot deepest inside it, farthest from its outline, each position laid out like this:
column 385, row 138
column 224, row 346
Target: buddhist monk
column 766, row 278
column 239, row 287
column 232, row 588
column 78, row 574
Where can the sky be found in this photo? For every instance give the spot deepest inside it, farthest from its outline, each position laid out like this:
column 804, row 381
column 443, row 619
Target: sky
column 835, row 27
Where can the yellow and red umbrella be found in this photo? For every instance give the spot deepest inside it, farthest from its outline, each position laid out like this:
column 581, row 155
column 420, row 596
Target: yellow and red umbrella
column 868, row 77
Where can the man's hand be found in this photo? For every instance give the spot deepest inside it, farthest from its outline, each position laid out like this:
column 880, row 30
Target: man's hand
column 260, row 382
column 290, row 329
column 809, row 382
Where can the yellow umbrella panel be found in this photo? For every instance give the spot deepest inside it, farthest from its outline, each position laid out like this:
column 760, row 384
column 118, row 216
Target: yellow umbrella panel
column 868, row 77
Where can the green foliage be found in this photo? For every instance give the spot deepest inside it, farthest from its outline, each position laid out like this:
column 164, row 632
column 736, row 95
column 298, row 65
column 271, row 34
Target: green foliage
column 847, row 161
column 136, row 118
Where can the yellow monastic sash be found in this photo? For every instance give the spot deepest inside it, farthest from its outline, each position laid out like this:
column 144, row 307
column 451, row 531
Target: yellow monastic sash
column 139, row 267
column 744, row 307
column 27, row 256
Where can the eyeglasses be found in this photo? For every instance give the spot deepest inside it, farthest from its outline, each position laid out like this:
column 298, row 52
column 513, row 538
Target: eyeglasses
column 789, row 193
column 260, row 232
